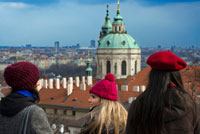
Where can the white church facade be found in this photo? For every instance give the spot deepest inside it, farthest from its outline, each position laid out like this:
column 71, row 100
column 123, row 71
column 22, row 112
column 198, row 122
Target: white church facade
column 117, row 53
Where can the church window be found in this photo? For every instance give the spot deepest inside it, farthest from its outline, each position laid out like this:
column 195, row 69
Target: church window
column 119, row 28
column 115, row 68
column 108, row 67
column 136, row 67
column 135, row 43
column 115, row 28
column 99, row 43
column 101, row 68
column 123, row 67
column 123, row 42
column 108, row 43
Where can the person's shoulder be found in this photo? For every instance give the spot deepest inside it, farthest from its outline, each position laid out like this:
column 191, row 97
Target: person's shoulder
column 36, row 108
column 36, row 111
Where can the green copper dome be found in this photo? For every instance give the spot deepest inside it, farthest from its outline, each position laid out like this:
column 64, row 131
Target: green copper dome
column 118, row 41
column 89, row 69
column 118, row 19
column 107, row 25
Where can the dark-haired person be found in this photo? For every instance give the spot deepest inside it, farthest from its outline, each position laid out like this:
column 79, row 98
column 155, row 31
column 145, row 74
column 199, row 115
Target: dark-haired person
column 18, row 112
column 107, row 115
column 165, row 107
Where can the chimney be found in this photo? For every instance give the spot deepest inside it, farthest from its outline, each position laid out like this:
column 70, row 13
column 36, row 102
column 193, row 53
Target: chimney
column 136, row 89
column 45, row 83
column 69, row 89
column 83, row 79
column 41, row 82
column 142, row 88
column 124, row 87
column 70, row 80
column 70, row 86
column 89, row 80
column 64, row 83
column 131, row 99
column 50, row 83
column 83, row 85
column 77, row 81
column 57, row 83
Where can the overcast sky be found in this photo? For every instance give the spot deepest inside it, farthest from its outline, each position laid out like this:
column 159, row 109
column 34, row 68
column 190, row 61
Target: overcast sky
column 149, row 22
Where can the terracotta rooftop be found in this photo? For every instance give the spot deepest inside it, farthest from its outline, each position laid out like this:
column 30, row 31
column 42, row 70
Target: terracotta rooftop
column 79, row 98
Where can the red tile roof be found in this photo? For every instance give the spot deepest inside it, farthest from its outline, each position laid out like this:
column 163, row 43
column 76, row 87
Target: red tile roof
column 79, row 98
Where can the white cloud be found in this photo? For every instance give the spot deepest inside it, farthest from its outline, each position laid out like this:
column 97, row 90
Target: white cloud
column 13, row 5
column 72, row 23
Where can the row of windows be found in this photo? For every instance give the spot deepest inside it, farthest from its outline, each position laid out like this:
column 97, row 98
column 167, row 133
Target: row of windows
column 118, row 28
column 123, row 67
column 123, row 43
column 64, row 112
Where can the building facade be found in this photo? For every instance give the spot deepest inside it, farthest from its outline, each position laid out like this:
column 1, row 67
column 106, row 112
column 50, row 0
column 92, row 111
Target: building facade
column 117, row 51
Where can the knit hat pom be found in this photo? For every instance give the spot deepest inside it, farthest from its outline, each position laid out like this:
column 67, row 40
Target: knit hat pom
column 110, row 77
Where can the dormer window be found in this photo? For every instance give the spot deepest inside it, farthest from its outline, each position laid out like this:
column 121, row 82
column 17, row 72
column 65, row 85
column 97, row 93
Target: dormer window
column 123, row 42
column 108, row 43
column 74, row 100
column 51, row 98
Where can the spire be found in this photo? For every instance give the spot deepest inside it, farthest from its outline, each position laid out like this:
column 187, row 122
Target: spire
column 118, row 9
column 118, row 23
column 107, row 15
column 89, row 68
column 88, row 53
column 107, row 27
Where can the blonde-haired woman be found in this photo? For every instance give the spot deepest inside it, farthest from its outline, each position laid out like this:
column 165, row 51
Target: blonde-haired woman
column 107, row 115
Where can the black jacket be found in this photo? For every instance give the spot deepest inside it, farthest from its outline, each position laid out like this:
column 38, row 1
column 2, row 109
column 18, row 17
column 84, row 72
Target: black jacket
column 14, row 103
column 12, row 112
column 181, row 118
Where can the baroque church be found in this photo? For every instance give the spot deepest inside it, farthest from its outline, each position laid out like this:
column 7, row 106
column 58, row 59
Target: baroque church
column 117, row 53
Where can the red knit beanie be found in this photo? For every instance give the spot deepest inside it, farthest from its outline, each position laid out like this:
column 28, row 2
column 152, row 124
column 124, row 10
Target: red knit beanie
column 106, row 88
column 21, row 75
column 165, row 60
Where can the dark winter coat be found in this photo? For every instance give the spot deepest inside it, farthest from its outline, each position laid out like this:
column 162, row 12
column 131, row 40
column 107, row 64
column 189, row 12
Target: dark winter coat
column 12, row 109
column 88, row 121
column 181, row 118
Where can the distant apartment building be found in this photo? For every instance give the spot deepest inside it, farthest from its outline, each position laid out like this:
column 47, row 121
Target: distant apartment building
column 92, row 44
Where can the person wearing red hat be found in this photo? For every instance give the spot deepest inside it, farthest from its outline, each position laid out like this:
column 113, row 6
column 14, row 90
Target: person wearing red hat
column 164, row 107
column 18, row 112
column 107, row 115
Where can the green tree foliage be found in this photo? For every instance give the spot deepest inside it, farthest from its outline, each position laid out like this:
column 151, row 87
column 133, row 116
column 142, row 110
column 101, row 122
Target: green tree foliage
column 68, row 70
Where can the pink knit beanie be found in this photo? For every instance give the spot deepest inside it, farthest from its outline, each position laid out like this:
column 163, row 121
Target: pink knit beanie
column 106, row 88
column 21, row 75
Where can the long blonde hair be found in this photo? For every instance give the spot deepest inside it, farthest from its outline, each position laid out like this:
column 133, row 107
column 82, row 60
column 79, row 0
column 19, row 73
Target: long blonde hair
column 106, row 114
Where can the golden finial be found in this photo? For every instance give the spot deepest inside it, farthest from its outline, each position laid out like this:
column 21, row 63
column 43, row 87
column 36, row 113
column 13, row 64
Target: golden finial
column 118, row 6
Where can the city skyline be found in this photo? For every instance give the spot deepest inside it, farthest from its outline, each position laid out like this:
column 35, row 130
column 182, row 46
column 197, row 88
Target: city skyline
column 150, row 23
